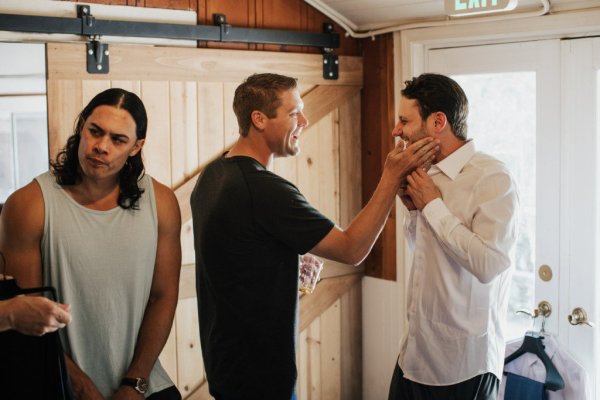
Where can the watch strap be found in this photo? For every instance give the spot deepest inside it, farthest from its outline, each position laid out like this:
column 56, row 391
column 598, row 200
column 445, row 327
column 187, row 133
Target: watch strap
column 139, row 384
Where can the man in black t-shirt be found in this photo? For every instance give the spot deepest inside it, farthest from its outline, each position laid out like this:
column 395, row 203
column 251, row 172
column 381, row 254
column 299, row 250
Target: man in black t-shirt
column 250, row 225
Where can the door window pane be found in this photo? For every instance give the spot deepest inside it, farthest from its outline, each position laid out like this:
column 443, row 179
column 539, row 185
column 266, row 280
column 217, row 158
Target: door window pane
column 23, row 122
column 502, row 109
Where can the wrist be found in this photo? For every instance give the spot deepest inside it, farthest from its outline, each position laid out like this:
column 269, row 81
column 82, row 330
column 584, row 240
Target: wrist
column 10, row 315
column 140, row 385
column 390, row 180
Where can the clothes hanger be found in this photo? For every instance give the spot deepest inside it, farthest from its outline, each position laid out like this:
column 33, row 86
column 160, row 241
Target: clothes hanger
column 532, row 343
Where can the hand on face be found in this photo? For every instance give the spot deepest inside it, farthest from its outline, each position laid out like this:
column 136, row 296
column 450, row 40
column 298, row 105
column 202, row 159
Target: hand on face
column 403, row 160
column 421, row 188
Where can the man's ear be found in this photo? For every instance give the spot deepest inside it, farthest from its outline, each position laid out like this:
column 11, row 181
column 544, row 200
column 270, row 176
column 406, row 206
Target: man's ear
column 258, row 119
column 439, row 121
column 137, row 147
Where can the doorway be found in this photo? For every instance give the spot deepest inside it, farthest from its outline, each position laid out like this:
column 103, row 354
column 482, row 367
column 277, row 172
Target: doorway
column 535, row 106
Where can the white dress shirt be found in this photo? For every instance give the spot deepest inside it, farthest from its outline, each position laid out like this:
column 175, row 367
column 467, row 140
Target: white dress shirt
column 531, row 366
column 462, row 255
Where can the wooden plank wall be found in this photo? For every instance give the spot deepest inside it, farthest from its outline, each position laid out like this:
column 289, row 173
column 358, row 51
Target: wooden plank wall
column 188, row 101
column 378, row 98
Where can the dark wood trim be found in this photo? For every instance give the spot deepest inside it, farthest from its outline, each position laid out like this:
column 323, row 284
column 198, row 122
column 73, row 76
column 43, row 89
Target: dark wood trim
column 377, row 111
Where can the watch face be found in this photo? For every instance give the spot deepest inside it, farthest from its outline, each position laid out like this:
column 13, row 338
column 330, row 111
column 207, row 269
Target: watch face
column 142, row 385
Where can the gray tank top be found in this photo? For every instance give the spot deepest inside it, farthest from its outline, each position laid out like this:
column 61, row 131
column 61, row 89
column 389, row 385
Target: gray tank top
column 101, row 262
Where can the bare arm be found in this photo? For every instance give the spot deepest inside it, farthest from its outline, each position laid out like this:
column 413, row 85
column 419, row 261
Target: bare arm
column 33, row 315
column 83, row 387
column 164, row 292
column 483, row 247
column 21, row 230
column 353, row 244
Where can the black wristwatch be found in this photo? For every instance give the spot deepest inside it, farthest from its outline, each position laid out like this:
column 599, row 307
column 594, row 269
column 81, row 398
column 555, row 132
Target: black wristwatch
column 139, row 384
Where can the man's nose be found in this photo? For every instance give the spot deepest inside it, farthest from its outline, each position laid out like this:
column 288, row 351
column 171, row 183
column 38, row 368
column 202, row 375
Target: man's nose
column 102, row 143
column 302, row 120
column 397, row 131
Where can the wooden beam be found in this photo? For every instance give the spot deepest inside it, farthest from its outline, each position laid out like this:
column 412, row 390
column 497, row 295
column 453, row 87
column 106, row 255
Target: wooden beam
column 187, row 280
column 322, row 100
column 325, row 294
column 201, row 393
column 333, row 269
column 318, row 102
column 328, row 290
column 183, row 192
column 68, row 61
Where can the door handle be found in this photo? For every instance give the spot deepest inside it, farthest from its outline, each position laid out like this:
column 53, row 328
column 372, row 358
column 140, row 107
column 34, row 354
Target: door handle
column 579, row 317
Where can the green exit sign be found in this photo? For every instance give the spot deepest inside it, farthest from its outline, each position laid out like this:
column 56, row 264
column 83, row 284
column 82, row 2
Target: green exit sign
column 470, row 7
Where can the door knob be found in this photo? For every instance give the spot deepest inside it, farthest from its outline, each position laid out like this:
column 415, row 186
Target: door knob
column 578, row 317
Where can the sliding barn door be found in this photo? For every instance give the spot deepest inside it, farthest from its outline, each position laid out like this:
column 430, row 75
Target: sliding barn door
column 188, row 94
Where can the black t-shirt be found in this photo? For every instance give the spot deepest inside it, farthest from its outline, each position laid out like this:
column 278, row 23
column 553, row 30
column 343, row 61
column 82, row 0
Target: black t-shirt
column 249, row 227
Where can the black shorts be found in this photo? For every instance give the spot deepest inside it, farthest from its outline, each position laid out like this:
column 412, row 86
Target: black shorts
column 480, row 387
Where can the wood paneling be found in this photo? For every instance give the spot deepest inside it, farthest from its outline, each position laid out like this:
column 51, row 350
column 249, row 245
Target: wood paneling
column 329, row 355
column 157, row 149
column 377, row 124
column 183, row 127
column 351, row 343
column 190, row 367
column 350, row 160
column 331, row 366
column 330, row 290
column 321, row 100
column 206, row 65
column 239, row 13
column 168, row 4
column 210, row 120
column 62, row 114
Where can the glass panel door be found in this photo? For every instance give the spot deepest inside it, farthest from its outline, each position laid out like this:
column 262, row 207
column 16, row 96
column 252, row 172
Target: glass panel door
column 507, row 85
column 580, row 198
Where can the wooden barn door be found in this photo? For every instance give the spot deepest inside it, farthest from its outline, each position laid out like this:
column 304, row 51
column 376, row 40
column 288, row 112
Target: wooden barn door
column 188, row 94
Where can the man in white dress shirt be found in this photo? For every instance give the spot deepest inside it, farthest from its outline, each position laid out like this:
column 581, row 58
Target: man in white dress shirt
column 462, row 229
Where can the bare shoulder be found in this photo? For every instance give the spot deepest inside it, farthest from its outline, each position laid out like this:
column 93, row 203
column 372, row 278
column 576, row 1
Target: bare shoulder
column 167, row 206
column 22, row 219
column 25, row 207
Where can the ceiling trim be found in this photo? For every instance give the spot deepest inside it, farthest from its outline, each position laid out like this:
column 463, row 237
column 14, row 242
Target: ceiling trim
column 352, row 29
column 414, row 44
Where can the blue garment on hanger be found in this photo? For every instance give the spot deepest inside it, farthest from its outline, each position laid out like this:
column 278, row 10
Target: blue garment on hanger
column 522, row 388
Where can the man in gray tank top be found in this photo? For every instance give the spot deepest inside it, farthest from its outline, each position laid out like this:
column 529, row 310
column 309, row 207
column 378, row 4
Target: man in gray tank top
column 107, row 236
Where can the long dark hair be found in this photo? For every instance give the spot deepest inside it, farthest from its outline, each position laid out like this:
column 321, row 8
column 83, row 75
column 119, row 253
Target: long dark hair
column 66, row 166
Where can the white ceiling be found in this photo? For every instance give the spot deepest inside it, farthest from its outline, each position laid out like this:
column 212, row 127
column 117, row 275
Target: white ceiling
column 362, row 15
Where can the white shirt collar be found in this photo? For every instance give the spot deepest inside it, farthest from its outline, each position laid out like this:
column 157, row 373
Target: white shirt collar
column 454, row 163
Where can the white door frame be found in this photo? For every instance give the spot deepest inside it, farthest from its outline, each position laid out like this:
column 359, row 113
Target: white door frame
column 411, row 45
